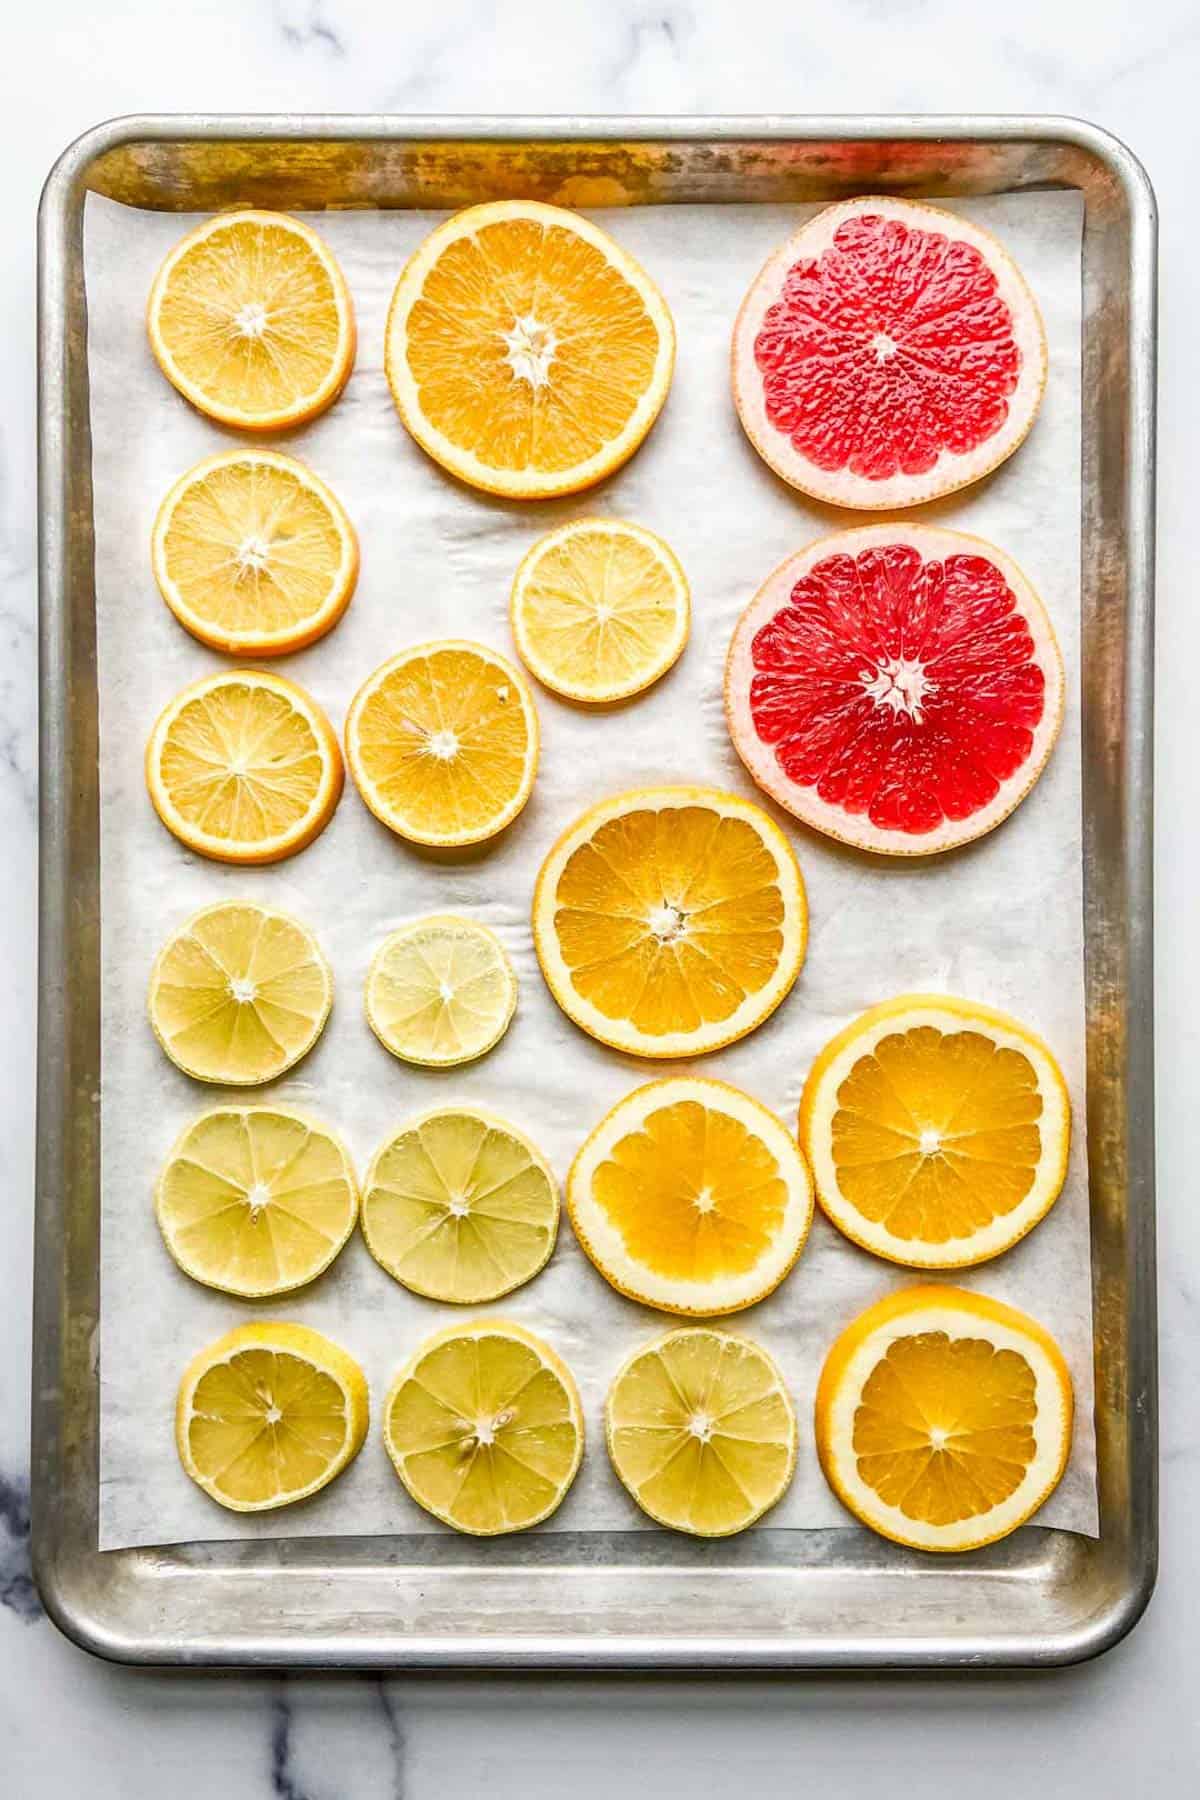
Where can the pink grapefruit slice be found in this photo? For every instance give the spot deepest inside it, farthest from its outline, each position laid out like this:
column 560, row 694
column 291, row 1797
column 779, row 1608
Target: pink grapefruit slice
column 888, row 353
column 896, row 686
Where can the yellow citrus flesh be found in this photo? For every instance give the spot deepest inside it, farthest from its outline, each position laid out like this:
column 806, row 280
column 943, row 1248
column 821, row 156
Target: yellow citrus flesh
column 253, row 554
column 443, row 743
column 600, row 609
column 239, row 994
column 526, row 352
column 943, row 1418
column 256, row 1200
column 702, row 1431
column 249, row 317
column 669, row 921
column 690, row 1196
column 484, row 1427
column 440, row 991
column 937, row 1130
column 269, row 1414
column 460, row 1207
column 244, row 767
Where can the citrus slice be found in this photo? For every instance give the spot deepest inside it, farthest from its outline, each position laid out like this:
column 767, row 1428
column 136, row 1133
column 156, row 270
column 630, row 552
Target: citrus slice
column 460, row 1207
column 896, row 686
column 943, row 1418
column 250, row 319
column 691, row 1196
column 440, row 991
column 269, row 1414
column 239, row 994
column 526, row 352
column 702, row 1431
column 937, row 1131
column 888, row 353
column 253, row 554
column 600, row 609
column 256, row 1200
column 443, row 743
column 669, row 921
column 244, row 767
column 484, row 1427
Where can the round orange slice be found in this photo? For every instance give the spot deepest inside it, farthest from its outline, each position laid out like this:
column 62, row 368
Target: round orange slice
column 526, row 351
column 250, row 318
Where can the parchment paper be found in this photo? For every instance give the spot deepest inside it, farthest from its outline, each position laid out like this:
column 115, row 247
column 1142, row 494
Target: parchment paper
column 1000, row 921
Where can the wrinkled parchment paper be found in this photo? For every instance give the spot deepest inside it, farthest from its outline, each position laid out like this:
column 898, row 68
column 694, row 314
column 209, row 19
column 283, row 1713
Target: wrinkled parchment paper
column 1000, row 921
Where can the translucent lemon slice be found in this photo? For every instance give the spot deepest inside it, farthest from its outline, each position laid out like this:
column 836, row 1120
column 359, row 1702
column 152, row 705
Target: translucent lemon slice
column 440, row 991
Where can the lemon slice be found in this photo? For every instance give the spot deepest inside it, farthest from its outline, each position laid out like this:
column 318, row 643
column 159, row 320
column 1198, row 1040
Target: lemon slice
column 256, row 1200
column 669, row 921
column 943, row 1418
column 600, row 609
column 937, row 1129
column 460, row 1207
column 253, row 554
column 484, row 1427
column 269, row 1414
column 691, row 1196
column 250, row 319
column 244, row 767
column 239, row 994
column 443, row 743
column 702, row 1432
column 440, row 991
column 526, row 352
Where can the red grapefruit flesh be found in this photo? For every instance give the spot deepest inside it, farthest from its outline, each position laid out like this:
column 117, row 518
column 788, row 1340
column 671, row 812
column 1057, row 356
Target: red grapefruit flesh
column 897, row 686
column 888, row 353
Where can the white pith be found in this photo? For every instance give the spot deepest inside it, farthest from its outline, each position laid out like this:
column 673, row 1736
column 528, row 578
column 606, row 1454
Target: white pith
column 530, row 350
column 951, row 471
column 931, row 543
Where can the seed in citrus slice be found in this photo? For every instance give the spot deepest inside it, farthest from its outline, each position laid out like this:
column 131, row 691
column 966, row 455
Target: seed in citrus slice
column 460, row 1207
column 484, row 1427
column 253, row 554
column 250, row 319
column 526, row 351
column 244, row 767
column 896, row 686
column 256, row 1200
column 669, row 921
column 239, row 994
column 440, row 991
column 937, row 1131
column 691, row 1196
column 943, row 1418
column 269, row 1414
column 888, row 353
column 600, row 609
column 702, row 1431
column 443, row 743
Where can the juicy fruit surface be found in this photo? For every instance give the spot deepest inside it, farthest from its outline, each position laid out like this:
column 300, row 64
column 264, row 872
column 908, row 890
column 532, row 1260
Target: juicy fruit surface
column 484, row 1428
column 440, row 991
column 256, row 1200
column 888, row 349
column 442, row 742
column 702, row 1432
column 253, row 554
column 676, row 926
column 252, row 322
column 460, row 1207
column 600, row 610
column 270, row 1414
column 239, row 994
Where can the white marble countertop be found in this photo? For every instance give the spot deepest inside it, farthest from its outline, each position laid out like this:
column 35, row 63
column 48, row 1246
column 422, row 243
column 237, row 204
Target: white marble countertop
column 1127, row 1724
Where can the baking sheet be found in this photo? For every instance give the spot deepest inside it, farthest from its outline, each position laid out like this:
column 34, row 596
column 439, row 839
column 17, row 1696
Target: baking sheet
column 1001, row 920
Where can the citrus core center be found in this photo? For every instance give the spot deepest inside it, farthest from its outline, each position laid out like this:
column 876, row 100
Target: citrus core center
column 242, row 989
column 667, row 923
column 930, row 1142
column 253, row 553
column 251, row 319
column 900, row 684
column 531, row 347
column 700, row 1426
column 443, row 744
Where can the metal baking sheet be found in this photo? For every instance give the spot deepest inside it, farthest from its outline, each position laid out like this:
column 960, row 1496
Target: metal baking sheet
column 835, row 1598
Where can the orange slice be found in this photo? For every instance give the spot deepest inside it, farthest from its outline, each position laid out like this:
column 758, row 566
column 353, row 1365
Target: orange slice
column 249, row 317
column 526, row 351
